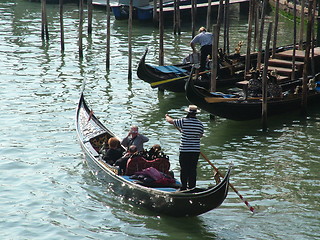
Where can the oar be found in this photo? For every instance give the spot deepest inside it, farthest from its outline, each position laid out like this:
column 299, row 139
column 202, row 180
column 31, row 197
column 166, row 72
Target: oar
column 221, row 175
column 234, row 189
column 156, row 84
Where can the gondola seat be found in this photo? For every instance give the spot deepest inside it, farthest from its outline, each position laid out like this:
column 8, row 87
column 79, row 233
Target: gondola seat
column 137, row 164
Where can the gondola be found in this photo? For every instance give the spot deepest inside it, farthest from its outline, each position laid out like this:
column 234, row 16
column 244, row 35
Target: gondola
column 173, row 77
column 242, row 108
column 166, row 200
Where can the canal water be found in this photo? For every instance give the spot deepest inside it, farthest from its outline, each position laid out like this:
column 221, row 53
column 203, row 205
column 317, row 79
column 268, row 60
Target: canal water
column 48, row 192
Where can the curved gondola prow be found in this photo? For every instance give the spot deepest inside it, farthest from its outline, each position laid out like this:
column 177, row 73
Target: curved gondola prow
column 141, row 66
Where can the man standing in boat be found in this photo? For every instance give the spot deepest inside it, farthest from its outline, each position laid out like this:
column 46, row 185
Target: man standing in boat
column 134, row 138
column 204, row 39
column 192, row 130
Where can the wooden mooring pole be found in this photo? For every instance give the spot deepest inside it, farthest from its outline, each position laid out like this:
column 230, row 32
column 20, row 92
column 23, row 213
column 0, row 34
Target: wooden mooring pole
column 301, row 25
column 275, row 30
column 209, row 14
column 214, row 69
column 177, row 18
column 193, row 17
column 249, row 38
column 264, row 80
column 61, row 25
column 154, row 13
column 264, row 6
column 307, row 60
column 226, row 27
column 129, row 40
column 108, row 35
column 80, row 28
column 44, row 22
column 161, row 33
column 89, row 6
column 293, row 69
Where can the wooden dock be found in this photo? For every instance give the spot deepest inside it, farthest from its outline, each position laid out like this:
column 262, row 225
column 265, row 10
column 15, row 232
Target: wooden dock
column 282, row 63
column 243, row 3
column 146, row 12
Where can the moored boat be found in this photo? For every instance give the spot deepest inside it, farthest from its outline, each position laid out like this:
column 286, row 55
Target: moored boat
column 165, row 199
column 173, row 77
column 241, row 107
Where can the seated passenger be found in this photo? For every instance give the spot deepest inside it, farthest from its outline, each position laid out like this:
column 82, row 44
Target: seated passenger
column 122, row 162
column 154, row 152
column 114, row 152
column 135, row 138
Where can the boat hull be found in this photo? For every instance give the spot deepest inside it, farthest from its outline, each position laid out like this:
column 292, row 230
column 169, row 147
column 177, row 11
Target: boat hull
column 165, row 200
column 242, row 110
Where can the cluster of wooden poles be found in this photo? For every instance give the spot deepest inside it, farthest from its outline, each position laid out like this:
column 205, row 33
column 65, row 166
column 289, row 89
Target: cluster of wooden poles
column 309, row 45
column 158, row 18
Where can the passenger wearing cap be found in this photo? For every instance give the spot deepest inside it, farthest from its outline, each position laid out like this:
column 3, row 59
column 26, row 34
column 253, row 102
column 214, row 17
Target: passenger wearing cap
column 134, row 138
column 192, row 130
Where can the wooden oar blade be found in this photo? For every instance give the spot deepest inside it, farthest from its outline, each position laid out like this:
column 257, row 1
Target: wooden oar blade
column 157, row 84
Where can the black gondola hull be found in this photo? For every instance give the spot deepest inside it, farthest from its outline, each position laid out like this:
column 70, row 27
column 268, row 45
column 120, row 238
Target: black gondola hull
column 241, row 110
column 173, row 203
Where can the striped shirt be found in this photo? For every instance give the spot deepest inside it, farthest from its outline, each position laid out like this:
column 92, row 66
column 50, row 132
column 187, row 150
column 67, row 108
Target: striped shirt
column 192, row 130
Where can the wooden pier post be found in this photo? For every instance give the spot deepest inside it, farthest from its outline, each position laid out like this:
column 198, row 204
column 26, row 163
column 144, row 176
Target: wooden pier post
column 208, row 24
column 177, row 18
column 293, row 72
column 219, row 17
column 161, row 33
column 249, row 38
column 275, row 30
column 154, row 13
column 193, row 17
column 318, row 26
column 313, row 37
column 301, row 25
column 255, row 19
column 214, row 69
column 306, row 60
column 130, row 40
column 89, row 6
column 80, row 28
column 108, row 35
column 261, row 35
column 226, row 27
column 264, row 80
column 44, row 22
column 61, row 25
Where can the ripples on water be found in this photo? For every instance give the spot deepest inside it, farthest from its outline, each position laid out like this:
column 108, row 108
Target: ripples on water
column 47, row 192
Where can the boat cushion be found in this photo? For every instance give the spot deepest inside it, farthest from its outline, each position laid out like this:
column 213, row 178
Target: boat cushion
column 151, row 175
column 137, row 164
column 170, row 69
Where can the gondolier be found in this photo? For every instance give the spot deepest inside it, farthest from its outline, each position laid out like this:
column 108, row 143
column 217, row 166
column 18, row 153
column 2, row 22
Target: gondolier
column 192, row 130
column 204, row 39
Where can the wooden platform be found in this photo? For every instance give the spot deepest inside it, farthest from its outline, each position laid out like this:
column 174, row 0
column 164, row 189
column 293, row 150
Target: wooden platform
column 203, row 5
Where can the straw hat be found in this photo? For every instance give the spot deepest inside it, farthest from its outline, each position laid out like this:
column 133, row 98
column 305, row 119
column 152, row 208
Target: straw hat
column 192, row 109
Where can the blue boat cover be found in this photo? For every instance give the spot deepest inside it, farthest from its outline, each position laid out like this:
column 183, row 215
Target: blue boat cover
column 170, row 69
column 318, row 86
column 222, row 95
